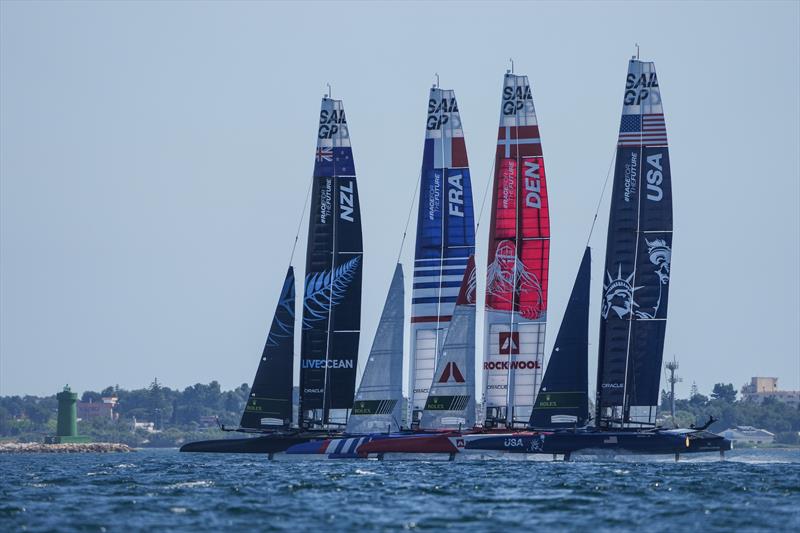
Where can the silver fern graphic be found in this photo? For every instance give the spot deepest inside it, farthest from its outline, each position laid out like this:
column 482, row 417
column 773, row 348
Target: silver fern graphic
column 325, row 290
column 283, row 324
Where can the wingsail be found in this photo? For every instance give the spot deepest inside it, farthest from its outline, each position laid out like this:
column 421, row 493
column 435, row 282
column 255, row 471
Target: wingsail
column 445, row 239
column 518, row 259
column 638, row 258
column 270, row 400
column 334, row 262
column 378, row 403
column 563, row 399
column 451, row 402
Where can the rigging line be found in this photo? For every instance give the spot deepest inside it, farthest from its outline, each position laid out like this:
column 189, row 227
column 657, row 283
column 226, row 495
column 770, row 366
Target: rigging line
column 408, row 218
column 485, row 193
column 602, row 194
column 300, row 223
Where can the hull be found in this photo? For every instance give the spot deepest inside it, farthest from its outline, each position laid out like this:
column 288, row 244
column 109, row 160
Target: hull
column 677, row 441
column 268, row 444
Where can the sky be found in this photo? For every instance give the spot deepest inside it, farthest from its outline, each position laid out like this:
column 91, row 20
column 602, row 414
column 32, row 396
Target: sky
column 155, row 158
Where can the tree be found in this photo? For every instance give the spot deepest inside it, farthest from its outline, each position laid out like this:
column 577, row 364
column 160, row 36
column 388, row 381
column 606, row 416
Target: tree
column 724, row 392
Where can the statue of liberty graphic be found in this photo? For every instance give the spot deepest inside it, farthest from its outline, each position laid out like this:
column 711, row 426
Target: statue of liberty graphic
column 661, row 256
column 618, row 293
column 508, row 280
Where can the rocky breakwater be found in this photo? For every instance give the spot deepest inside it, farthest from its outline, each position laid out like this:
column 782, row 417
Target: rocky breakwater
column 86, row 447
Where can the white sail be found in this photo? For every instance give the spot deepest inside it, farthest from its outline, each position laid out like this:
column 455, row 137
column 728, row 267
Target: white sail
column 451, row 402
column 379, row 398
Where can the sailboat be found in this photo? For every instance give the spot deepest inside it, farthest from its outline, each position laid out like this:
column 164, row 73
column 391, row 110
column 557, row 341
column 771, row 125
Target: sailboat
column 445, row 239
column 633, row 313
column 331, row 321
column 376, row 410
column 331, row 314
column 518, row 261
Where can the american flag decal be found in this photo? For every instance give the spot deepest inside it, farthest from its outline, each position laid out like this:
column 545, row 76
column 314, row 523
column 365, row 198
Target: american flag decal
column 638, row 130
column 324, row 154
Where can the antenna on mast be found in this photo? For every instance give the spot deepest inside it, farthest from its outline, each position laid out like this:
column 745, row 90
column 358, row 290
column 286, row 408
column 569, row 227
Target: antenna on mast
column 330, row 92
column 637, row 51
column 436, row 85
column 511, row 59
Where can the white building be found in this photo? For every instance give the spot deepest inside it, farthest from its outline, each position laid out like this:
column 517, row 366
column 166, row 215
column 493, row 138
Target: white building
column 760, row 388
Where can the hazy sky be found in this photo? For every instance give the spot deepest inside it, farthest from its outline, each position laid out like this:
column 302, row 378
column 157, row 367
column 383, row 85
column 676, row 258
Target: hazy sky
column 154, row 159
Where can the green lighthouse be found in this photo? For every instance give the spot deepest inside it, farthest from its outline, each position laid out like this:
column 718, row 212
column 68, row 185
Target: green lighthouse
column 67, row 425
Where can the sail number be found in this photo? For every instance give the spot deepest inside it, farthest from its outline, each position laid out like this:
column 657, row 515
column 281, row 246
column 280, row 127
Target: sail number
column 654, row 178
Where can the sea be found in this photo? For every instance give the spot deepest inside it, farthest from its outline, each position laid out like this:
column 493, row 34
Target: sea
column 162, row 489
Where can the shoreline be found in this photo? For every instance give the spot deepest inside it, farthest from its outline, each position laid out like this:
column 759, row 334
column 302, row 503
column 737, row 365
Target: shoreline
column 85, row 447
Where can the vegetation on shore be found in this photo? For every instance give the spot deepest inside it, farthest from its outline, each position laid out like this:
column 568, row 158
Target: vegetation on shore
column 188, row 415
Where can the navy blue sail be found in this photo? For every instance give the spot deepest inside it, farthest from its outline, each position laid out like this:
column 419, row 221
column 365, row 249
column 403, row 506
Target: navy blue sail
column 638, row 259
column 332, row 297
column 563, row 399
column 270, row 401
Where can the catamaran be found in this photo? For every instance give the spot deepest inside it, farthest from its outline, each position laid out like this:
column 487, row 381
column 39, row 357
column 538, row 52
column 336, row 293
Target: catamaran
column 633, row 316
column 331, row 314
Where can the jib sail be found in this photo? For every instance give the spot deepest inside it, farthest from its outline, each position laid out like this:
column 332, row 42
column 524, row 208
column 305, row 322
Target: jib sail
column 445, row 239
column 563, row 399
column 451, row 402
column 378, row 403
column 332, row 294
column 270, row 401
column 638, row 256
column 518, row 258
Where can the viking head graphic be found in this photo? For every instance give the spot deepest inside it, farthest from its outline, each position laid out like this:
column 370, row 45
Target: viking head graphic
column 509, row 281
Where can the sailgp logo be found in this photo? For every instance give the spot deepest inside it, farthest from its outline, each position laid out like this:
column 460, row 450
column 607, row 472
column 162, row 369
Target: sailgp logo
column 509, row 342
column 451, row 371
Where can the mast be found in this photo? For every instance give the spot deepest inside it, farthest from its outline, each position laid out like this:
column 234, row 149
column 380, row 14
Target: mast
column 451, row 402
column 638, row 257
column 518, row 262
column 332, row 295
column 379, row 399
column 445, row 240
column 563, row 399
column 270, row 400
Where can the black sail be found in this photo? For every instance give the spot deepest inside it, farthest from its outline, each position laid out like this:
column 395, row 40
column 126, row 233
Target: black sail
column 270, row 401
column 563, row 399
column 332, row 295
column 638, row 257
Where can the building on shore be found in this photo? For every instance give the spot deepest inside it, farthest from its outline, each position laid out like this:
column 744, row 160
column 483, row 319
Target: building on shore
column 749, row 435
column 102, row 409
column 760, row 388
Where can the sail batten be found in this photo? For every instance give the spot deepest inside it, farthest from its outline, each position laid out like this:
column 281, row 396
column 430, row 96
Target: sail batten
column 445, row 240
column 518, row 260
column 334, row 261
column 638, row 258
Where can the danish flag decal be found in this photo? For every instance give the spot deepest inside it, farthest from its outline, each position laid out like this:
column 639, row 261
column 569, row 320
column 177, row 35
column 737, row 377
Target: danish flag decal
column 450, row 369
column 509, row 342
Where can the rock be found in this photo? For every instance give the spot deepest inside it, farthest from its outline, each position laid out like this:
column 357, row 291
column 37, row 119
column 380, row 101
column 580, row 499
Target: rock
column 88, row 447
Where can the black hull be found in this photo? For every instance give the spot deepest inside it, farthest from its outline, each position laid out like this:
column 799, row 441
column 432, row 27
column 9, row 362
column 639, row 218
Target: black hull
column 643, row 442
column 263, row 444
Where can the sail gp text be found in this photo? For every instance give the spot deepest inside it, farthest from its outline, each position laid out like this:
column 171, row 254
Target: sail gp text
column 332, row 122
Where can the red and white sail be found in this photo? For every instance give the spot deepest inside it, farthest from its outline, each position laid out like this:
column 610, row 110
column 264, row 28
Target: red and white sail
column 518, row 258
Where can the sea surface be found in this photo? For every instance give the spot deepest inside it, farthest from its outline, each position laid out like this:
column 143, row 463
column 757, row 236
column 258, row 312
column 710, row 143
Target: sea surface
column 752, row 490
